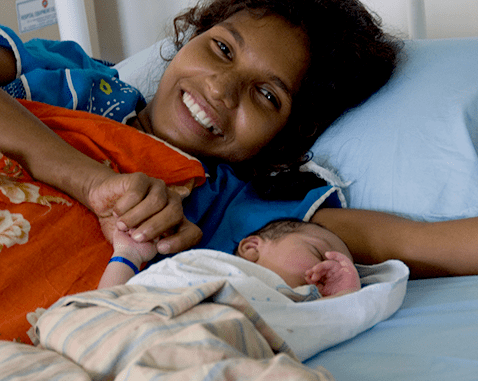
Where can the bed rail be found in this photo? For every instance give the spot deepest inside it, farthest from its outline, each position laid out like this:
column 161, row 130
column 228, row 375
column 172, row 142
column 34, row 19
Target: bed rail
column 73, row 23
column 417, row 26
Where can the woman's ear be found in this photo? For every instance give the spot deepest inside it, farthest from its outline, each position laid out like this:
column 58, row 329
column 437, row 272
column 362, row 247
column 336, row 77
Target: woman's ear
column 249, row 248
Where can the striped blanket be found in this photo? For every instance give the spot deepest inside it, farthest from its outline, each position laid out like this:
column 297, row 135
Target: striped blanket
column 204, row 332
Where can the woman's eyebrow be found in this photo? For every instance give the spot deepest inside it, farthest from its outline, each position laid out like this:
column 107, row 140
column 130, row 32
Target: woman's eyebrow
column 274, row 78
column 234, row 32
column 240, row 41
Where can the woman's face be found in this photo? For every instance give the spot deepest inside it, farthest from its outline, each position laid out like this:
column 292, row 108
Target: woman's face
column 229, row 90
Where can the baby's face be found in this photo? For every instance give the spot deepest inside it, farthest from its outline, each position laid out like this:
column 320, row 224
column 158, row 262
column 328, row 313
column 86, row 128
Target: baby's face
column 295, row 253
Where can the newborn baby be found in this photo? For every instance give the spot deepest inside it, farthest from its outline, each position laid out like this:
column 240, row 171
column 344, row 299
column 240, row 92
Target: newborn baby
column 300, row 253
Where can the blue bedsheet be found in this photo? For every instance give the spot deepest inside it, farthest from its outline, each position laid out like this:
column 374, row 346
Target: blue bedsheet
column 433, row 336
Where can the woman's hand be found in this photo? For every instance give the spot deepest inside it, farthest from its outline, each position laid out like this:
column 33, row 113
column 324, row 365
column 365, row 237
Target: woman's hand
column 139, row 202
column 146, row 207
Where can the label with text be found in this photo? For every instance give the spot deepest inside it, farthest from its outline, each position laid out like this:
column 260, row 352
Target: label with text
column 35, row 14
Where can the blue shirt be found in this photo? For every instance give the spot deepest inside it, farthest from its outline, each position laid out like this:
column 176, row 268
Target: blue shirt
column 228, row 209
column 60, row 73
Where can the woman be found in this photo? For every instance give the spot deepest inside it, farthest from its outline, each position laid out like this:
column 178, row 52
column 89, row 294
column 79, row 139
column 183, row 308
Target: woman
column 254, row 86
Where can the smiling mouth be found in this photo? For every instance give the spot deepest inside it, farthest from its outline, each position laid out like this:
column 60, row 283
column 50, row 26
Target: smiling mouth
column 200, row 116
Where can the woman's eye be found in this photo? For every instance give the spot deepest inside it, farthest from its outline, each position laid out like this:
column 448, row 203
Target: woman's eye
column 224, row 49
column 270, row 97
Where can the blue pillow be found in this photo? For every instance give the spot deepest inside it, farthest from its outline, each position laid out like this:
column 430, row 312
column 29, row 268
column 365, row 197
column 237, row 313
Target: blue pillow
column 411, row 148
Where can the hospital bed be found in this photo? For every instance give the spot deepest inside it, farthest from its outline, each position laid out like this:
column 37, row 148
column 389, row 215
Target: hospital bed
column 411, row 149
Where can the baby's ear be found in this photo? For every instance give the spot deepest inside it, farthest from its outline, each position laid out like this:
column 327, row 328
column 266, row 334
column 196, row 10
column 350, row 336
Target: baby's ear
column 249, row 248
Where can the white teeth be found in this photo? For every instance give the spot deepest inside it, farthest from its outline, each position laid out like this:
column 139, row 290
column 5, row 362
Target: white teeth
column 200, row 115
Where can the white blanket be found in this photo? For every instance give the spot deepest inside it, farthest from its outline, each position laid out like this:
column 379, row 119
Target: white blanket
column 307, row 327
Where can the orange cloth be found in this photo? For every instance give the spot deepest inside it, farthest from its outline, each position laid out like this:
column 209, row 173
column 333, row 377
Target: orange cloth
column 51, row 245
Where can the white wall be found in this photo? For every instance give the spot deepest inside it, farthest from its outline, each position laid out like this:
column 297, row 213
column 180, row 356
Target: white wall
column 393, row 14
column 452, row 18
column 124, row 27
column 444, row 18
column 139, row 18
column 120, row 27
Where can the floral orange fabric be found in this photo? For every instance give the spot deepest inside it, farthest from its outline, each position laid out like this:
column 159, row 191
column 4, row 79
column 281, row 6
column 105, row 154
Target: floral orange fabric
column 51, row 245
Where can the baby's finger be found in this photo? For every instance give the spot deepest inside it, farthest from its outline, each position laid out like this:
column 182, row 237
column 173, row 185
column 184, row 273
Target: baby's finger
column 321, row 270
column 324, row 266
column 314, row 274
column 336, row 256
column 344, row 261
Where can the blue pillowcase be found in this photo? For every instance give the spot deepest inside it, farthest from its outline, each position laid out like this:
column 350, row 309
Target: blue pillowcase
column 411, row 148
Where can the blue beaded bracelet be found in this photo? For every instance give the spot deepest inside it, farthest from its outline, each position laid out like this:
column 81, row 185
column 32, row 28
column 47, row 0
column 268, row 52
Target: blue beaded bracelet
column 127, row 262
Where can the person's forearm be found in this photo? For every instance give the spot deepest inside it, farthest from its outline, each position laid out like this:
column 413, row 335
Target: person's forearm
column 429, row 249
column 48, row 158
column 8, row 66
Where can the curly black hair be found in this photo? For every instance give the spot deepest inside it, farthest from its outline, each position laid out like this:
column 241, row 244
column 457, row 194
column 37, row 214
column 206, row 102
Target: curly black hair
column 350, row 59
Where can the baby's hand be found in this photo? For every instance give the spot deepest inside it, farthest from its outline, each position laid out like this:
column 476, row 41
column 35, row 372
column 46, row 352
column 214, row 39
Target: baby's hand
column 127, row 247
column 336, row 275
column 124, row 246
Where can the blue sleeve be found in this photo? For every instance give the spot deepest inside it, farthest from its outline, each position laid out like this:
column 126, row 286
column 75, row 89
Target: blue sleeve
column 228, row 209
column 60, row 73
column 49, row 54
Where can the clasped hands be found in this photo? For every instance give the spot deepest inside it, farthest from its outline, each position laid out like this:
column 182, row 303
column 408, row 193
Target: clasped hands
column 146, row 208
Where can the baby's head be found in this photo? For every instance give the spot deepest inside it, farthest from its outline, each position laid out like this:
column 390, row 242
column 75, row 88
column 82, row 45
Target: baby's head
column 290, row 247
column 326, row 56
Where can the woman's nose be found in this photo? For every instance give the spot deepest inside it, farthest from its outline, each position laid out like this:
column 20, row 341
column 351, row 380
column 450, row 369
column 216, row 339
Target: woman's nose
column 224, row 87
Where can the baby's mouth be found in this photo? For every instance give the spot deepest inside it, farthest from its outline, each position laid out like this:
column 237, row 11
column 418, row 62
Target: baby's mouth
column 200, row 116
